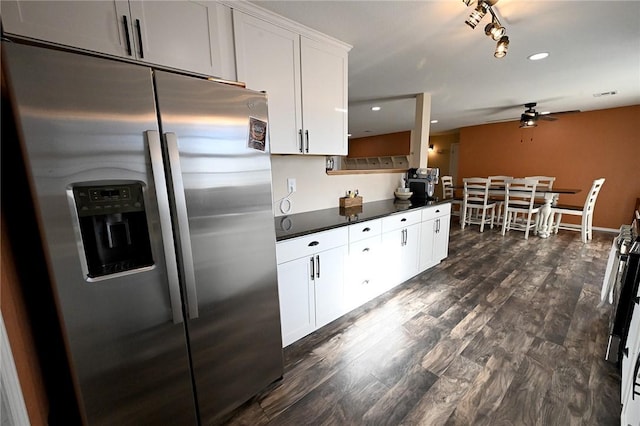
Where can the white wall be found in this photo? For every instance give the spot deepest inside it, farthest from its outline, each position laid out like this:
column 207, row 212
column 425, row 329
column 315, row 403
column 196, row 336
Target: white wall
column 316, row 190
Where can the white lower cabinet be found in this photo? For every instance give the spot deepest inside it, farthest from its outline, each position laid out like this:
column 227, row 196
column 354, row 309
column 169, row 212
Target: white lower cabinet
column 400, row 240
column 311, row 282
column 434, row 235
column 324, row 275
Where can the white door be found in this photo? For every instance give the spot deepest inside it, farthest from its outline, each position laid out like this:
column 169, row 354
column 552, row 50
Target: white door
column 97, row 26
column 297, row 301
column 324, row 98
column 180, row 34
column 268, row 59
column 453, row 161
column 329, row 285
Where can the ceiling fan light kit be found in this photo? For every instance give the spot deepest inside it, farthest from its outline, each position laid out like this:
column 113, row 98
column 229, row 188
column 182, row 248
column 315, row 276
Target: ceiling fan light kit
column 495, row 30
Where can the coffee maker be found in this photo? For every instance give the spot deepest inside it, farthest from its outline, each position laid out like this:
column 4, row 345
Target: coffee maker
column 422, row 182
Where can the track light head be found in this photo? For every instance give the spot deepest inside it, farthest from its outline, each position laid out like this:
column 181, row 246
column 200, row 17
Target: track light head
column 502, row 47
column 495, row 30
column 477, row 15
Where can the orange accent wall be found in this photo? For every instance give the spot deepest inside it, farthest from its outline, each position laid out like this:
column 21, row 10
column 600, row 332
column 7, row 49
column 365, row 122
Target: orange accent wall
column 576, row 149
column 382, row 145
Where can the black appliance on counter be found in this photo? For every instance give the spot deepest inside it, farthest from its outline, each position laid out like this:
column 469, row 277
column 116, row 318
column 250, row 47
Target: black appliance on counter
column 422, row 182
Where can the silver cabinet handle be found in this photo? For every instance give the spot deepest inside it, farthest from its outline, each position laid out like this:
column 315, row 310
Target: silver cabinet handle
column 318, row 268
column 366, row 249
column 367, row 229
column 306, row 134
column 301, row 142
column 160, row 185
column 184, row 241
column 126, row 36
column 313, row 268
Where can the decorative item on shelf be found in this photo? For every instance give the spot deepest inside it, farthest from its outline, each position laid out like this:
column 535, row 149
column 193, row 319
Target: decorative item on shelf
column 404, row 195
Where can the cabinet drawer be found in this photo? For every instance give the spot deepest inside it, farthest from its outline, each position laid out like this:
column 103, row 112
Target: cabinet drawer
column 397, row 221
column 363, row 230
column 312, row 243
column 436, row 211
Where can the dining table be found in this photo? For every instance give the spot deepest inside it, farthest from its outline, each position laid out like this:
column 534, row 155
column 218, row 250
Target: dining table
column 550, row 197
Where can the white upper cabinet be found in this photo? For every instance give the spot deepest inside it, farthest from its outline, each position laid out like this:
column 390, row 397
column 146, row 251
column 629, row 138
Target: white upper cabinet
column 189, row 35
column 306, row 84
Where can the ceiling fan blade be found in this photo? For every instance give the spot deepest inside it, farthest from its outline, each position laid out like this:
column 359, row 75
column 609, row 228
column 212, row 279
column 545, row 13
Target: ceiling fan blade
column 552, row 115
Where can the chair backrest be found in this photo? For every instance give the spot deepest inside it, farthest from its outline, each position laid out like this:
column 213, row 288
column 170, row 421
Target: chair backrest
column 476, row 190
column 499, row 180
column 590, row 202
column 447, row 187
column 520, row 193
column 543, row 181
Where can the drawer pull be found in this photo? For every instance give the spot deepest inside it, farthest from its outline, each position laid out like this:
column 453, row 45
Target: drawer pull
column 364, row 250
column 437, row 211
column 365, row 282
column 367, row 229
column 404, row 219
column 313, row 243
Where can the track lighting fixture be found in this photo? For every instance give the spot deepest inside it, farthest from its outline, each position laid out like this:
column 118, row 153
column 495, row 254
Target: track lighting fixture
column 502, row 47
column 494, row 29
column 477, row 15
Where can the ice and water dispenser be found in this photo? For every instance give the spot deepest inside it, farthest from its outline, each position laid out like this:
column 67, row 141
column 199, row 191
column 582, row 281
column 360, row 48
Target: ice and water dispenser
column 113, row 226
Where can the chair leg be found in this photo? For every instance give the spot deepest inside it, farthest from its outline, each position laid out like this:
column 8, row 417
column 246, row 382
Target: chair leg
column 557, row 226
column 482, row 219
column 463, row 216
column 504, row 222
column 528, row 225
column 584, row 231
column 493, row 215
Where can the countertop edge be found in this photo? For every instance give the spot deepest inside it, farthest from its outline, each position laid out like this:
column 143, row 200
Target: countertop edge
column 340, row 220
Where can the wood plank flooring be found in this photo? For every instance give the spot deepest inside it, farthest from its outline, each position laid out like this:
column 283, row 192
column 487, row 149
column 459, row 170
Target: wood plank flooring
column 503, row 332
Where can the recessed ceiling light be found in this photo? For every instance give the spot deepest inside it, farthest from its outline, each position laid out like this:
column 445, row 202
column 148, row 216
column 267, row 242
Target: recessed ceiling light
column 434, row 121
column 538, row 56
column 375, row 108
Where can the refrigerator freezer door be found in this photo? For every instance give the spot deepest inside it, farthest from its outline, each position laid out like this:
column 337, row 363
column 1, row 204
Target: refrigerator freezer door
column 83, row 122
column 225, row 202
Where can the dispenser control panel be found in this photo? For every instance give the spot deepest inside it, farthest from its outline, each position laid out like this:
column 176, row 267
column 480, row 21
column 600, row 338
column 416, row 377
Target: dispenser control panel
column 113, row 224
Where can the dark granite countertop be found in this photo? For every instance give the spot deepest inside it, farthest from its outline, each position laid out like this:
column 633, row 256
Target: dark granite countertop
column 299, row 224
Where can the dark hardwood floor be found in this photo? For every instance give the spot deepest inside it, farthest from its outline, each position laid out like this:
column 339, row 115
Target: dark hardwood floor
column 503, row 332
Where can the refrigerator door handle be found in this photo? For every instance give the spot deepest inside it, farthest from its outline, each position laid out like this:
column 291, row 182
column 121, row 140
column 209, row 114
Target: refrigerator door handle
column 183, row 224
column 160, row 184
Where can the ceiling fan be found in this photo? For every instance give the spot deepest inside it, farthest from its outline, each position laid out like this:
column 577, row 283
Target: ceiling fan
column 530, row 116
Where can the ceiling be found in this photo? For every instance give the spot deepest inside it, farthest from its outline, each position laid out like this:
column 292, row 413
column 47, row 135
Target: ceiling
column 401, row 48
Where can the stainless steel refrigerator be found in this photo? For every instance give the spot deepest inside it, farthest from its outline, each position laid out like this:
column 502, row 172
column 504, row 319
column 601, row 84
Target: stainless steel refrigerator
column 153, row 193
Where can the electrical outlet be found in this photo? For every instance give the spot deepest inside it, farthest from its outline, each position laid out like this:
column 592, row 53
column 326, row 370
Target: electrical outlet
column 291, row 185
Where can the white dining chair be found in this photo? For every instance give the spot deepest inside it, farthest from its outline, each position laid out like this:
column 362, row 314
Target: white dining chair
column 543, row 181
column 586, row 211
column 520, row 206
column 448, row 193
column 497, row 195
column 476, row 203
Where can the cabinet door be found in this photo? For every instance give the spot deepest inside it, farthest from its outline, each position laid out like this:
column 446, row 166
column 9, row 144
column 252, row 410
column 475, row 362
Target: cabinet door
column 97, row 26
column 400, row 252
column 427, row 236
column 297, row 304
column 324, row 97
column 329, row 285
column 186, row 35
column 410, row 251
column 268, row 59
column 441, row 238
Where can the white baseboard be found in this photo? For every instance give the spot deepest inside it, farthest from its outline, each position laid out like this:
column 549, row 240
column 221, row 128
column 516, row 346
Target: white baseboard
column 575, row 227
